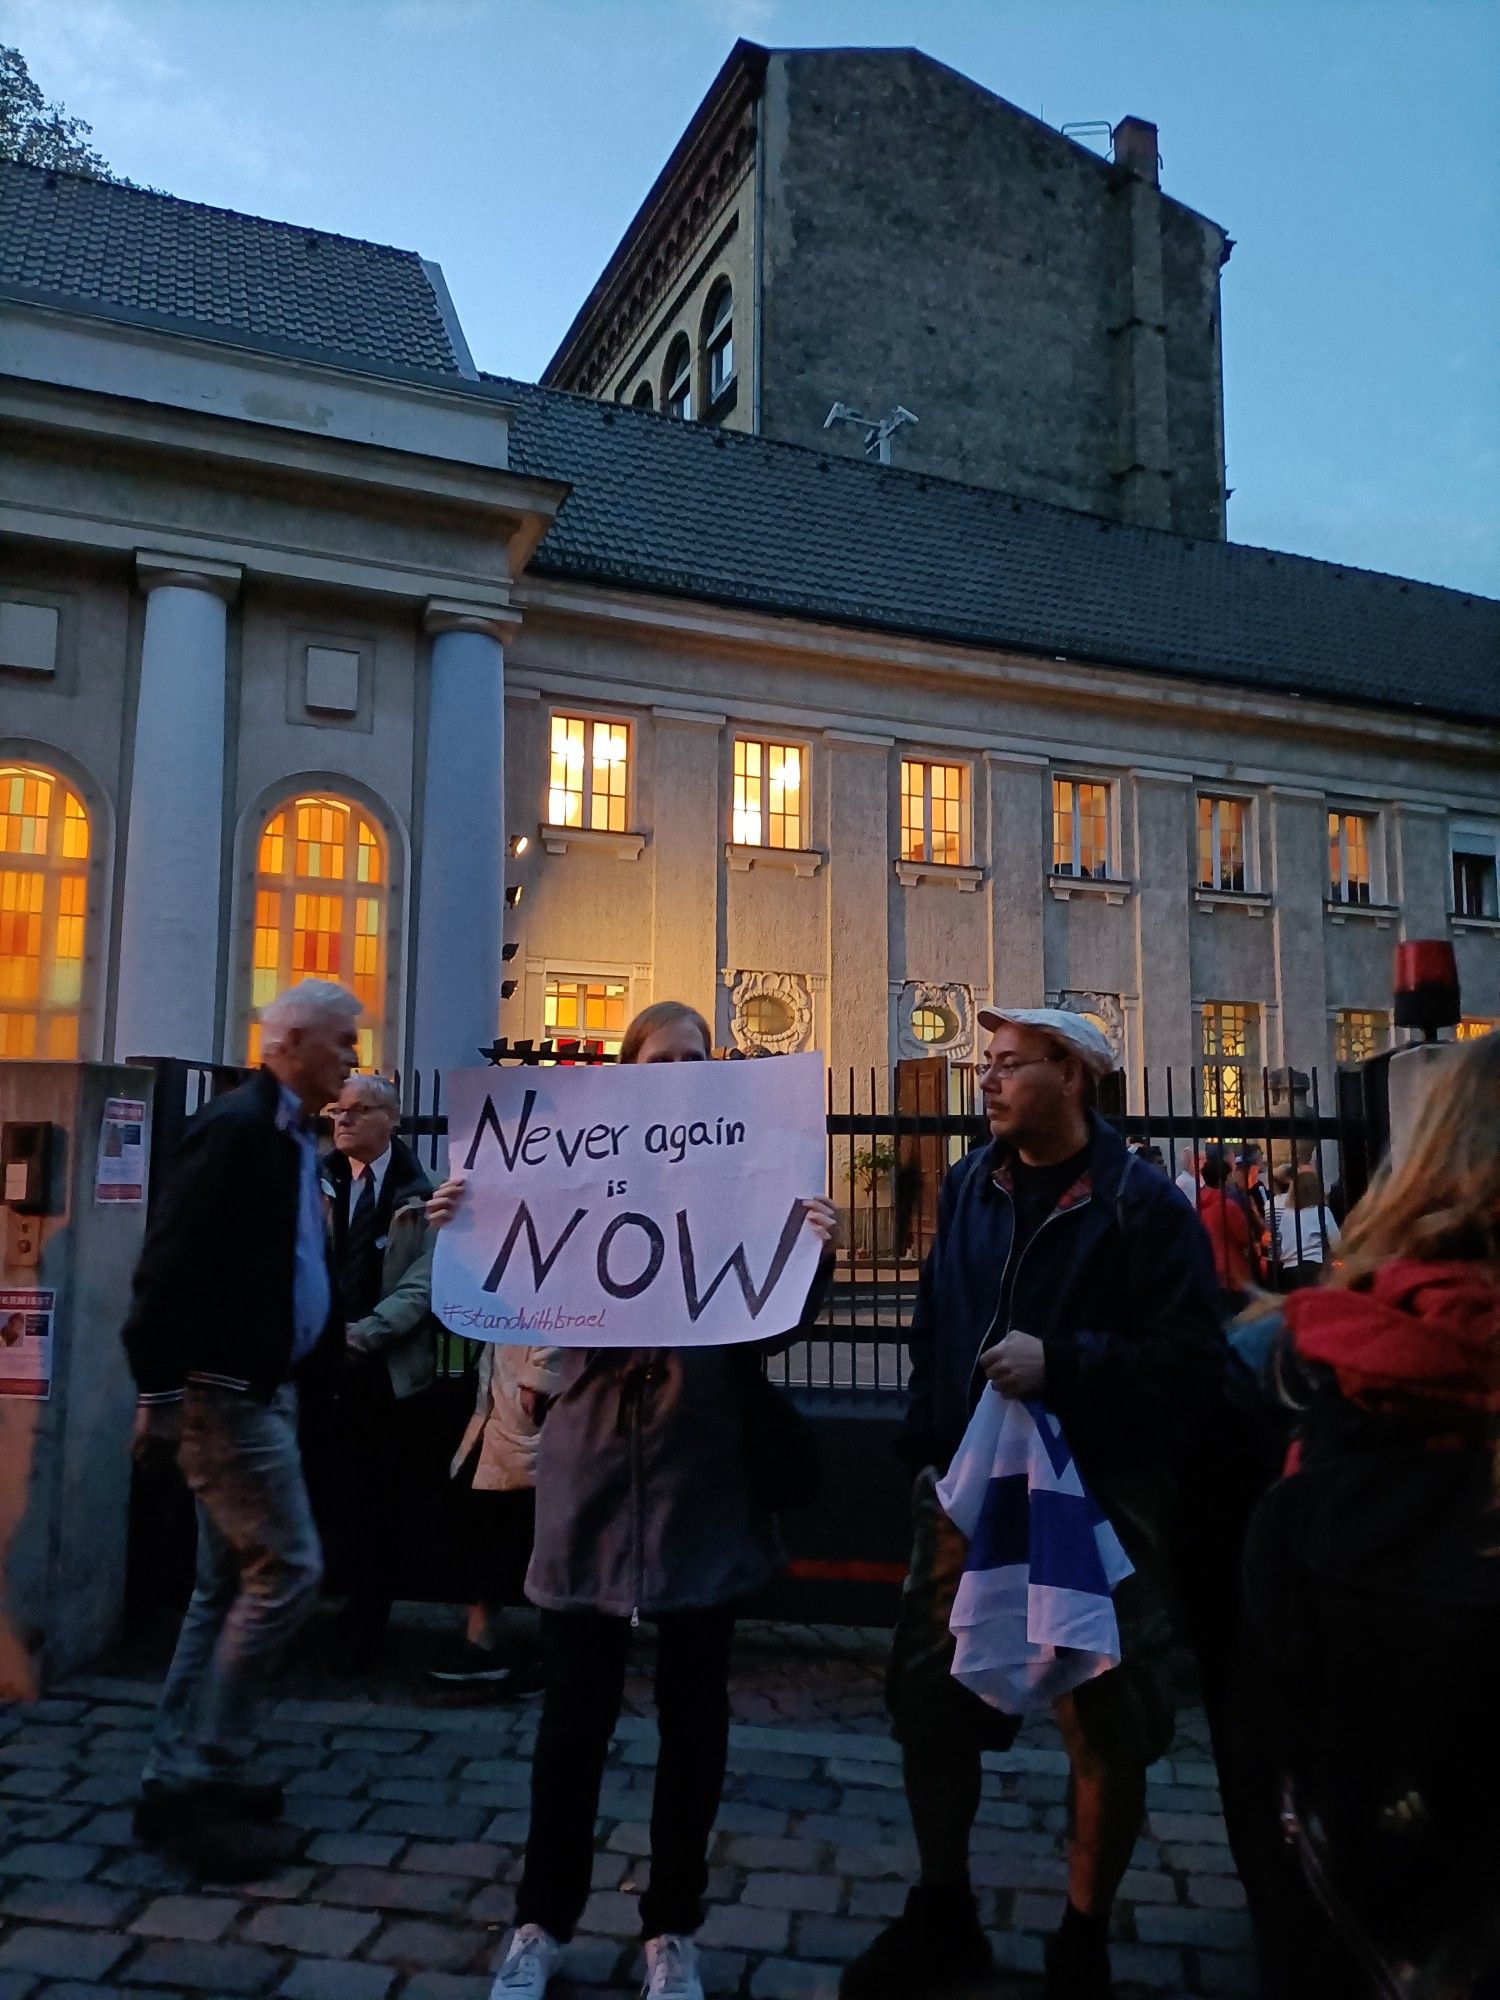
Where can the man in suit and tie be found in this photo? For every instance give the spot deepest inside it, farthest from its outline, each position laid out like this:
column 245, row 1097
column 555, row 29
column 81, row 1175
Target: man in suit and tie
column 234, row 1316
column 382, row 1252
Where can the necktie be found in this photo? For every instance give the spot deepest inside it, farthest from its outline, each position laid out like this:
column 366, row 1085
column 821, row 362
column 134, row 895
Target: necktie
column 359, row 1279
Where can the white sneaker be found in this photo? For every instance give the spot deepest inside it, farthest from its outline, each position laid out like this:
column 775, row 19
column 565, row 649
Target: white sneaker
column 671, row 1969
column 528, row 1965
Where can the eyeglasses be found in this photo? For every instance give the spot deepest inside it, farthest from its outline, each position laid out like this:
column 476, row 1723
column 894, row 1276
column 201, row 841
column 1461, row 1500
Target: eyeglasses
column 337, row 1111
column 1002, row 1072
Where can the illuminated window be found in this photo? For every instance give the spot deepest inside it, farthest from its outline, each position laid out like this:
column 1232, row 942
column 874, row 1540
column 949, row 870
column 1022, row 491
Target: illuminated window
column 44, row 852
column 1348, row 857
column 1473, row 1030
column 932, row 812
column 1230, row 1059
column 719, row 340
column 1223, row 843
column 587, row 784
column 321, row 887
column 1358, row 1035
column 933, row 1024
column 765, row 1016
column 1080, row 829
column 577, row 1008
column 768, row 782
column 677, row 381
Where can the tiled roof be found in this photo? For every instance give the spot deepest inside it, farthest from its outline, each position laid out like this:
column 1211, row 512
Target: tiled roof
column 258, row 283
column 680, row 508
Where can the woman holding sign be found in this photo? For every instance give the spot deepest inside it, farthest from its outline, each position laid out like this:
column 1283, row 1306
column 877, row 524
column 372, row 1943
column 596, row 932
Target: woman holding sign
column 654, row 1500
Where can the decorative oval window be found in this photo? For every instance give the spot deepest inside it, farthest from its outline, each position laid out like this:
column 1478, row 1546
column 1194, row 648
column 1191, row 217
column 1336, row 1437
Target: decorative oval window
column 765, row 1016
column 933, row 1024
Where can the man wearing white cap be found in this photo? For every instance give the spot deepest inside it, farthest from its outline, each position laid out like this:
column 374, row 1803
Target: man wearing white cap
column 1066, row 1273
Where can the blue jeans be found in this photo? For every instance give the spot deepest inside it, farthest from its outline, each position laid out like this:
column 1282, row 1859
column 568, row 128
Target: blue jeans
column 259, row 1567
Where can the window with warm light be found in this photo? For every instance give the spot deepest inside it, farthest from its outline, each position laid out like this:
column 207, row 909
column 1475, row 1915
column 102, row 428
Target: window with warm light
column 933, row 801
column 1473, row 1030
column 589, row 781
column 44, row 854
column 578, row 1008
column 1349, row 857
column 1359, row 1033
column 933, row 1025
column 719, row 341
column 768, row 794
column 1224, row 844
column 1230, row 1045
column 1080, row 829
column 321, row 910
column 677, row 382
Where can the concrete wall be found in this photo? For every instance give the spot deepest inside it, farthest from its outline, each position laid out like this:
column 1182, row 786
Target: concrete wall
column 65, row 1460
column 982, row 286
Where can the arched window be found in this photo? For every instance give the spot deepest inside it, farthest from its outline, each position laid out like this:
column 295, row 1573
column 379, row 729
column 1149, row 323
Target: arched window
column 321, row 894
column 677, row 382
column 642, row 399
column 718, row 340
column 44, row 856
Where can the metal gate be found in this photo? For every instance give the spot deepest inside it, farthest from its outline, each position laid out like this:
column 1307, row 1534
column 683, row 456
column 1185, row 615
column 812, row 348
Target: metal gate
column 891, row 1139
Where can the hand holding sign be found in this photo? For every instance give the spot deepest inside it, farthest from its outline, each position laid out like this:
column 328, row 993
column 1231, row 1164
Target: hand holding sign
column 659, row 1205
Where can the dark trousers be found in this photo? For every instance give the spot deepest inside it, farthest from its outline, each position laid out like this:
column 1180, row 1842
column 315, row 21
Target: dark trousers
column 370, row 1454
column 586, row 1655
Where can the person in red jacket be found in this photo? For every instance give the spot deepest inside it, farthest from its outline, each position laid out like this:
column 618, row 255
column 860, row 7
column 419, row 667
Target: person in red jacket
column 1223, row 1215
column 1367, row 1720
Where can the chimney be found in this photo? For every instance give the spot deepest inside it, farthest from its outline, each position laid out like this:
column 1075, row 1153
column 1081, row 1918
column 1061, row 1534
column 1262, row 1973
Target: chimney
column 1135, row 149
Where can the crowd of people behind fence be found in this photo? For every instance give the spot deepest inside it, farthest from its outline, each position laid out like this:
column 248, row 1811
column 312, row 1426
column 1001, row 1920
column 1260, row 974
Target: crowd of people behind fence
column 1283, row 1416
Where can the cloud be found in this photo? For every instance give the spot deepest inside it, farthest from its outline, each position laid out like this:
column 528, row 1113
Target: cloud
column 100, row 59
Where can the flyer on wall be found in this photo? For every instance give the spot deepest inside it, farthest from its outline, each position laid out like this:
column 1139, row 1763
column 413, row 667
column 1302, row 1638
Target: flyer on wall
column 120, row 1170
column 26, row 1341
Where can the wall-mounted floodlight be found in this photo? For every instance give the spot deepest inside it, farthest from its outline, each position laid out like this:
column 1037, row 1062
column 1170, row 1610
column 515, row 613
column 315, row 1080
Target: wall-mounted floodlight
column 513, row 896
column 519, row 842
column 507, row 987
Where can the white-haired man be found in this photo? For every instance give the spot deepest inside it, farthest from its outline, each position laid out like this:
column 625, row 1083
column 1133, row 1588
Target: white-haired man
column 234, row 1308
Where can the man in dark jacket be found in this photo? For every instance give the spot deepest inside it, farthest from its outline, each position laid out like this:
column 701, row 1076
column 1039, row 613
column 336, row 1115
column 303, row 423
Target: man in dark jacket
column 234, row 1307
column 382, row 1252
column 1066, row 1272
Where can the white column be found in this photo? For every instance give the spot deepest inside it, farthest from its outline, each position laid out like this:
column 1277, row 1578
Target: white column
column 461, row 908
column 169, row 921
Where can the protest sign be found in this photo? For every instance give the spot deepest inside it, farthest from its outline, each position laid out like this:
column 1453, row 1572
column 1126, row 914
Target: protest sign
column 26, row 1341
column 644, row 1205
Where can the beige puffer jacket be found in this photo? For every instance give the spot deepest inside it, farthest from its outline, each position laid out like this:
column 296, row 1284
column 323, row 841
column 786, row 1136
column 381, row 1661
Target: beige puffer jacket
column 504, row 1436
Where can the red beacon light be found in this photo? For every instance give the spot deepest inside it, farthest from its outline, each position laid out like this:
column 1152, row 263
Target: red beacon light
column 1426, row 986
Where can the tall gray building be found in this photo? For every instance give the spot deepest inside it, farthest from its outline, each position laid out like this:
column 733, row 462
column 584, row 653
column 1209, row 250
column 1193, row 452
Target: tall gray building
column 868, row 227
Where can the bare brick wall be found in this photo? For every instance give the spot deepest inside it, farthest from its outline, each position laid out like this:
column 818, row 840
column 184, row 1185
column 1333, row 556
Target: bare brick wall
column 929, row 245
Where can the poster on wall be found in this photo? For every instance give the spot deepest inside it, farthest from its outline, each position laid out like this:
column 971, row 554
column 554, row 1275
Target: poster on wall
column 651, row 1205
column 26, row 1341
column 120, row 1170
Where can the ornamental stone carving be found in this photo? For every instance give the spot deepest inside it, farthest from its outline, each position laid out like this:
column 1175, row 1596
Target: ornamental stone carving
column 770, row 1013
column 1106, row 1012
column 923, row 1008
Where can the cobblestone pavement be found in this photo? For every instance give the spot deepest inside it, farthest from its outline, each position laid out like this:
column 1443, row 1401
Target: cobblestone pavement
column 405, row 1819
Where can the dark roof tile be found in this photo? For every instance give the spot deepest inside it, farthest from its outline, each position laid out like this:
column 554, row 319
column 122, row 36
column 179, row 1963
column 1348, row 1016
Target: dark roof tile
column 247, row 279
column 679, row 508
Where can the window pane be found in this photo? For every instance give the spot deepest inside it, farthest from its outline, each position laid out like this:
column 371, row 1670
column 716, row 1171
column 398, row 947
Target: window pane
column 1093, row 831
column 1207, row 843
column 1064, row 850
column 320, row 911
column 913, row 813
column 783, row 795
column 44, row 840
column 610, row 753
column 578, row 1008
column 566, row 777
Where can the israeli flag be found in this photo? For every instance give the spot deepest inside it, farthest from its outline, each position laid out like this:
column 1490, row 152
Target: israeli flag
column 1034, row 1615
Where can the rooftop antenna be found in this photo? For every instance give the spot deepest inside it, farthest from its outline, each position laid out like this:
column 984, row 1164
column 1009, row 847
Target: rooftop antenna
column 878, row 430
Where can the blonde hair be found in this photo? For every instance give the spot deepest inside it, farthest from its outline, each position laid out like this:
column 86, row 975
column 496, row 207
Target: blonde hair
column 664, row 1014
column 1442, row 1202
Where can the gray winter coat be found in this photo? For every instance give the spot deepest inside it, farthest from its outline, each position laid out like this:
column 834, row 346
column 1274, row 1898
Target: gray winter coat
column 642, row 1490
